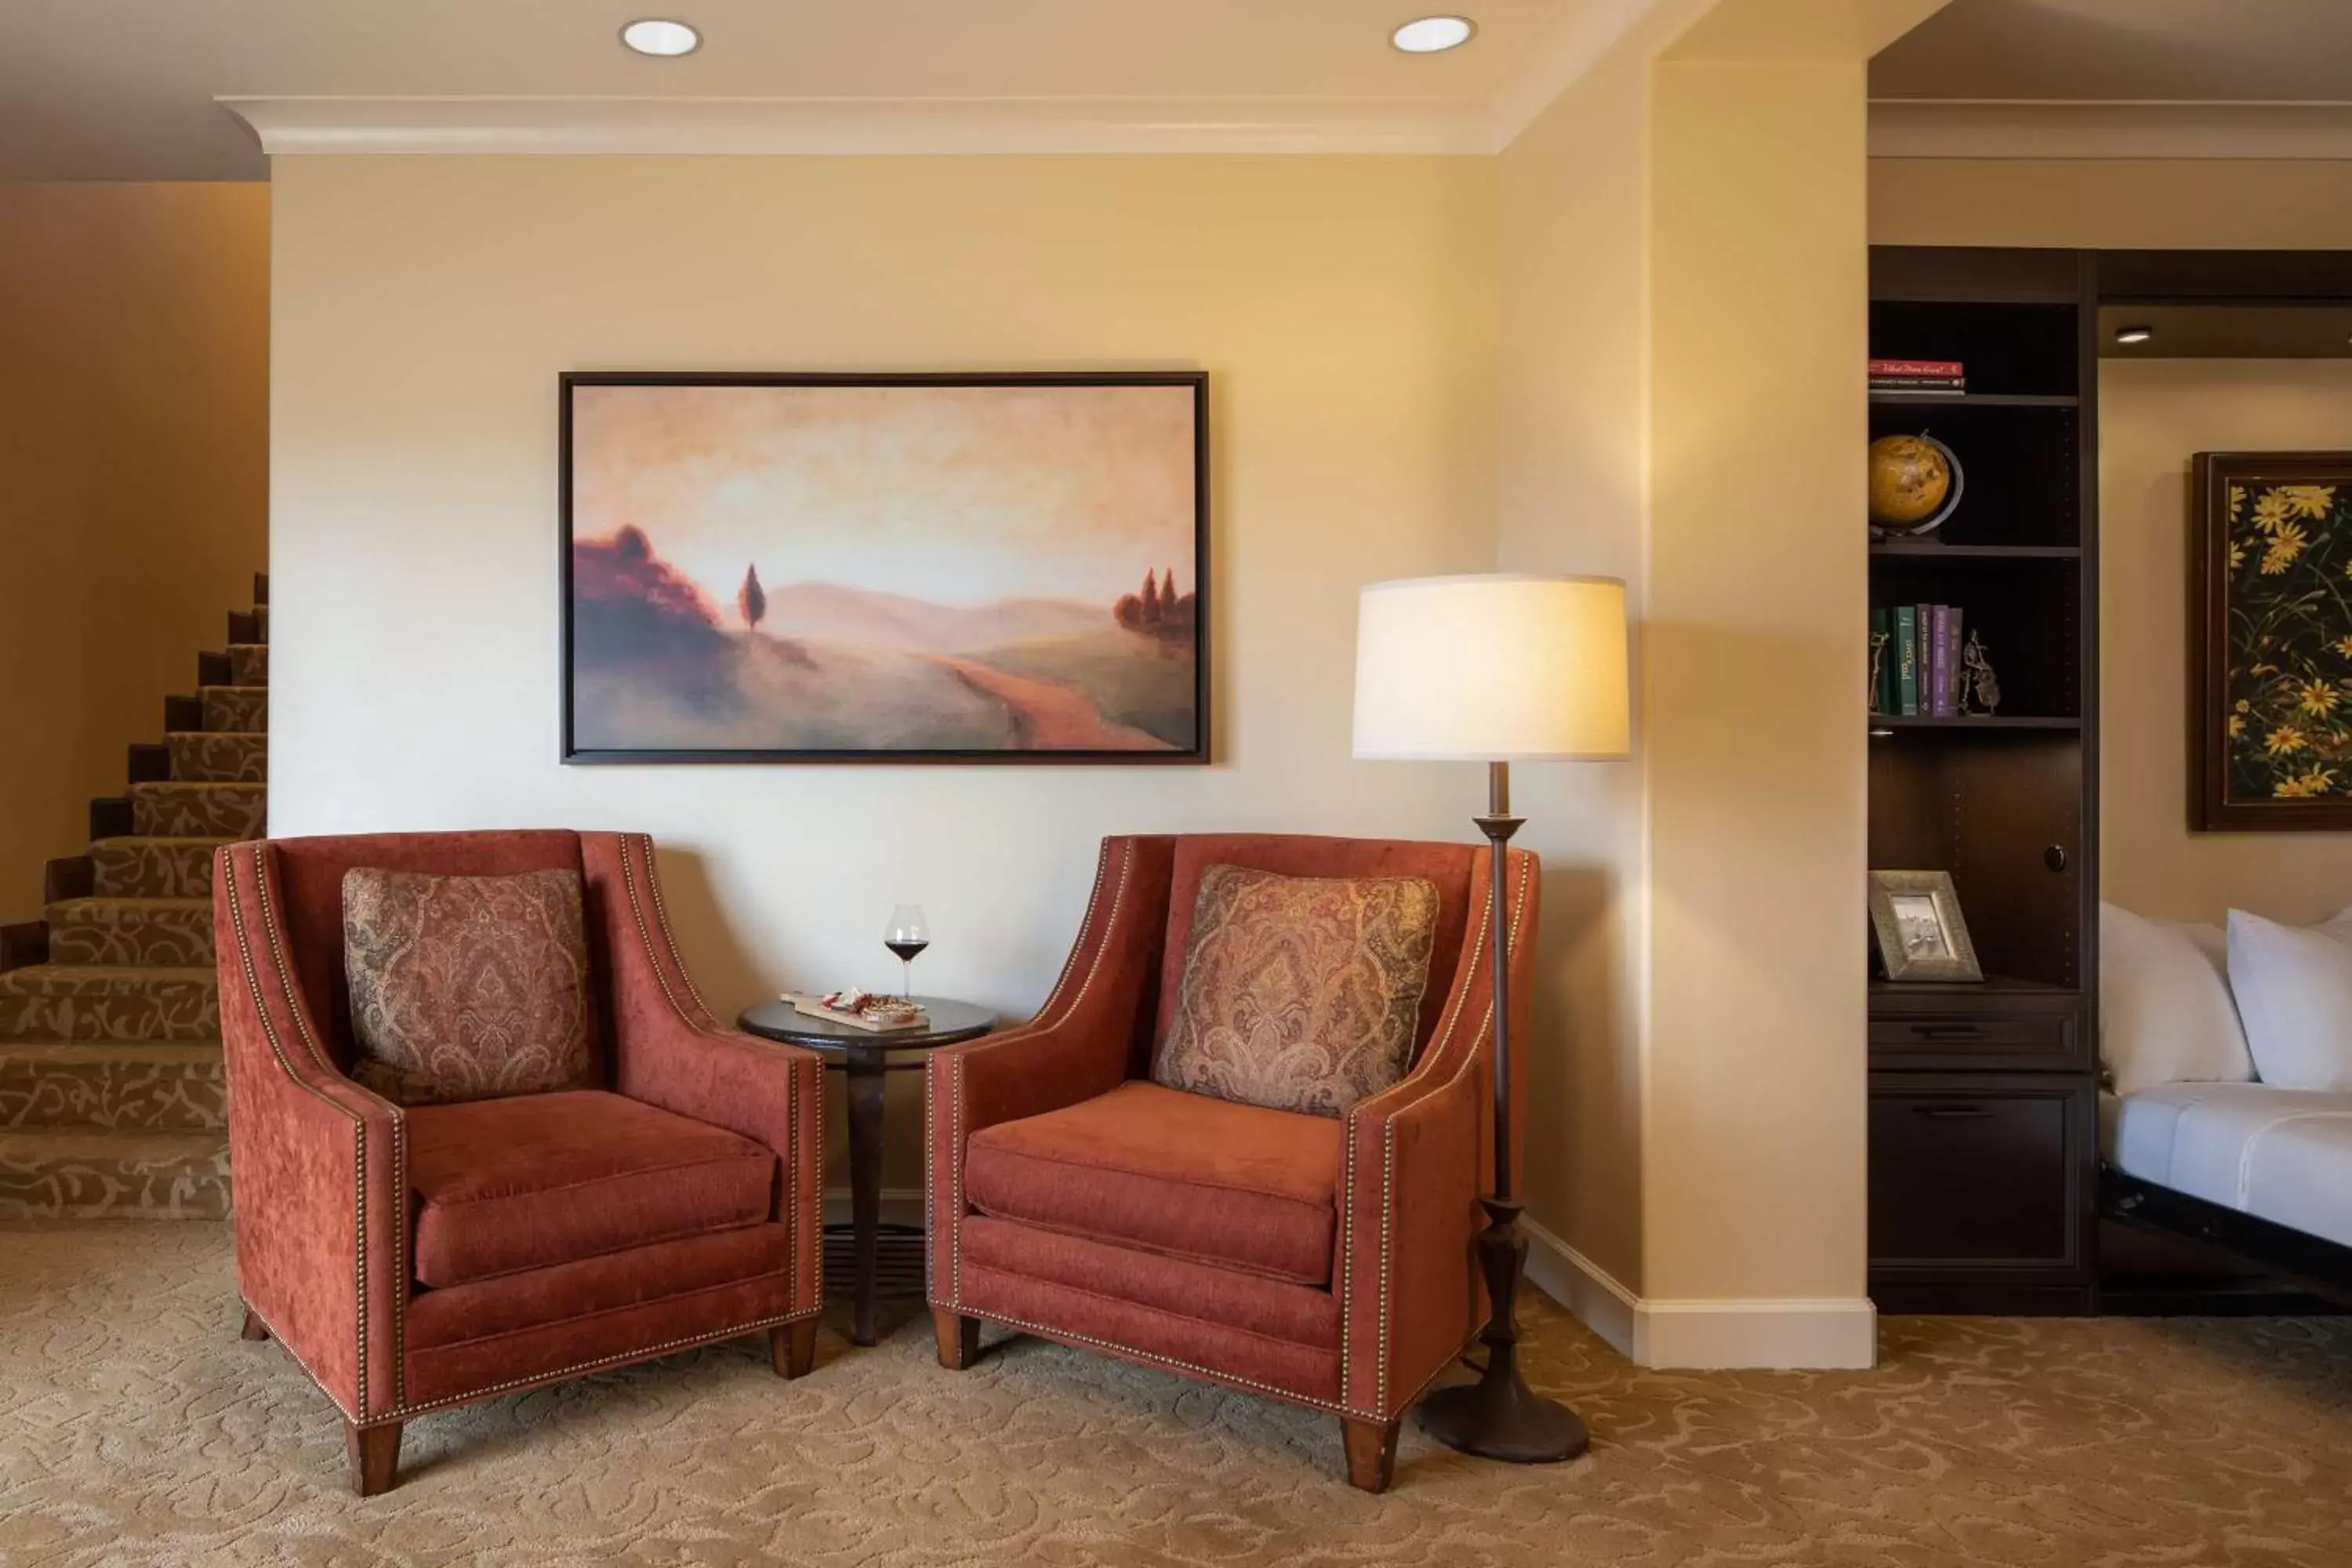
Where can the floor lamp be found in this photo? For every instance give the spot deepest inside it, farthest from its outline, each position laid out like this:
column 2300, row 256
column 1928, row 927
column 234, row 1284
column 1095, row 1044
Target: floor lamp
column 1495, row 670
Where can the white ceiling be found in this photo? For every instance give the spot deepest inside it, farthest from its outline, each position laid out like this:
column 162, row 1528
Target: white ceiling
column 2194, row 51
column 126, row 89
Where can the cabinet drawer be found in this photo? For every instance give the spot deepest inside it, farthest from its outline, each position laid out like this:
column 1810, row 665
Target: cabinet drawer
column 1964, row 1041
column 1979, row 1173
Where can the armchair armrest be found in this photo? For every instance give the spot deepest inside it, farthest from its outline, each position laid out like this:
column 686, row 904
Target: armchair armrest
column 321, row 1164
column 1083, row 1042
column 1415, row 1161
column 669, row 1051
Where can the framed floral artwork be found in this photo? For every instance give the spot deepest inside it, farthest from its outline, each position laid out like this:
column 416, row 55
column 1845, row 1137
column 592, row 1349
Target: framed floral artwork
column 2270, row 705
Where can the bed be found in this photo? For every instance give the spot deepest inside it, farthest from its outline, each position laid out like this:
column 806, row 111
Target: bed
column 2196, row 1144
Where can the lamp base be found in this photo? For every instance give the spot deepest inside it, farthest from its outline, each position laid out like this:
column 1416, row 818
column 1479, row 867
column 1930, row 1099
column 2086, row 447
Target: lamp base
column 1499, row 1417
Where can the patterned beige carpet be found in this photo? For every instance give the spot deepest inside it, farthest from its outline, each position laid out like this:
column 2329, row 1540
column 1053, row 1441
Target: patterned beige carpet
column 136, row 1428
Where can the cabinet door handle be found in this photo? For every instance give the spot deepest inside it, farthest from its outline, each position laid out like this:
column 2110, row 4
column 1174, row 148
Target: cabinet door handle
column 1948, row 1031
column 1954, row 1112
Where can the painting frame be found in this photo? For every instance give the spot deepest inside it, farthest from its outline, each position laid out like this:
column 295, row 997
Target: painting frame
column 2215, row 805
column 1199, row 753
column 1889, row 893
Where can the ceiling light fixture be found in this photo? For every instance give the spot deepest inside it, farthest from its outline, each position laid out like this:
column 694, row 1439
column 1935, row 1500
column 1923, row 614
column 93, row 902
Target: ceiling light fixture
column 1433, row 34
column 2133, row 334
column 662, row 38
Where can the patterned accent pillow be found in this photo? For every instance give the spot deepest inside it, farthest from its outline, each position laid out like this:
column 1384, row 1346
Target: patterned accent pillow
column 1300, row 993
column 466, row 987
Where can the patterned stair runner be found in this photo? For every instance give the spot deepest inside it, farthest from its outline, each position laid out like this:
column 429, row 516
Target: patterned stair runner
column 113, row 1103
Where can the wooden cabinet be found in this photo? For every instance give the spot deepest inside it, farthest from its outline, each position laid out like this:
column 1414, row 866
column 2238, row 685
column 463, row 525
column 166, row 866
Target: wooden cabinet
column 1984, row 1097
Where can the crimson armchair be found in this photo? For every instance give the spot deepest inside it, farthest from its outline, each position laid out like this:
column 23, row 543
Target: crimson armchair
column 1324, row 1261
column 411, row 1259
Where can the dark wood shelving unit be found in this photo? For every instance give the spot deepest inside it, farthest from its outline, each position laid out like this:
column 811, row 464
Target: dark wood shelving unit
column 1983, row 1118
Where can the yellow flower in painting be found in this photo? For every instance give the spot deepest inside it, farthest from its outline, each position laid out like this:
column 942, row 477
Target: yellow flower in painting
column 2316, row 698
column 2270, row 509
column 2287, row 542
column 2238, row 555
column 2237, row 499
column 2308, row 500
column 2309, row 782
column 2284, row 741
column 2343, row 646
column 2237, row 725
column 2245, row 705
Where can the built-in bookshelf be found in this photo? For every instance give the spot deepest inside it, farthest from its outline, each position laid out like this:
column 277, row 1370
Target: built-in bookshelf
column 1983, row 1130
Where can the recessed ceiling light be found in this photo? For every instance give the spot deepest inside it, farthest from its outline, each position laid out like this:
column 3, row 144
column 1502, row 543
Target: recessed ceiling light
column 1433, row 34
column 655, row 36
column 2133, row 334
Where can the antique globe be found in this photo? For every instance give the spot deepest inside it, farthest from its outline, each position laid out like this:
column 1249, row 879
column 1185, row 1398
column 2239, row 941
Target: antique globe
column 1914, row 482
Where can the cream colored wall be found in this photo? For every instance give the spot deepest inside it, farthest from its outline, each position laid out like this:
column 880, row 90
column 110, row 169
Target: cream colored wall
column 2153, row 416
column 2127, row 204
column 1572, row 435
column 1754, row 1152
column 1341, row 307
column 134, row 328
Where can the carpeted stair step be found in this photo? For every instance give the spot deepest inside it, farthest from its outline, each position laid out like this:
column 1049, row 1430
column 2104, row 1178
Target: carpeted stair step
column 141, row 867
column 248, row 664
column 200, row 756
column 59, row 1173
column 118, row 1087
column 70, row 1002
column 243, row 709
column 198, row 810
column 132, row 932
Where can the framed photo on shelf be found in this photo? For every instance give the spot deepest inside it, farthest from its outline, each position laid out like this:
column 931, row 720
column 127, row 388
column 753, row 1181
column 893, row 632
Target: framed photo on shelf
column 1915, row 916
column 2270, row 702
column 943, row 567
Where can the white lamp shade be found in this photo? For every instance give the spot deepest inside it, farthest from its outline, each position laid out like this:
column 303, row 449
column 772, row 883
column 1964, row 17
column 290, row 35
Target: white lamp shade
column 1491, row 669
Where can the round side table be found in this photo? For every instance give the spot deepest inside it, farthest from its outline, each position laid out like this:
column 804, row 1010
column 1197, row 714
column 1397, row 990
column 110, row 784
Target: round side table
column 865, row 1057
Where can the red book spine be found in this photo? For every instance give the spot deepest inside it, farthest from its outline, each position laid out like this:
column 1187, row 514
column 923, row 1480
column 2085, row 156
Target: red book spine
column 1938, row 369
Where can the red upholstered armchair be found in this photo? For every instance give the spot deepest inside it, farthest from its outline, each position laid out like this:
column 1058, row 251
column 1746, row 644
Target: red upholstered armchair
column 413, row 1259
column 1323, row 1261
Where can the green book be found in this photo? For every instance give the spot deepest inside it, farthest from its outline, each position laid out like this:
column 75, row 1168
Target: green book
column 1907, row 660
column 1882, row 661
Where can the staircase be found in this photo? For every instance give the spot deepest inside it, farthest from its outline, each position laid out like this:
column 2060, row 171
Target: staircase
column 113, row 1101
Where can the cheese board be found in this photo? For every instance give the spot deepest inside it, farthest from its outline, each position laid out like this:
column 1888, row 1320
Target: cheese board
column 858, row 1010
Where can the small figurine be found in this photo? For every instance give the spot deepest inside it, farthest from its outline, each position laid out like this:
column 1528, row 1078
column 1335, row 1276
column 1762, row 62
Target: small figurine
column 1979, row 691
column 1878, row 641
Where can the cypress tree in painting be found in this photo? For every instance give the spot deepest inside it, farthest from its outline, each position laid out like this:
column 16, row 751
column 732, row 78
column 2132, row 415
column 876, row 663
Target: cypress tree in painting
column 752, row 599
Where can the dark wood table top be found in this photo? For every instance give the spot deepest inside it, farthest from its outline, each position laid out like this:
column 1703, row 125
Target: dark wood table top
column 951, row 1022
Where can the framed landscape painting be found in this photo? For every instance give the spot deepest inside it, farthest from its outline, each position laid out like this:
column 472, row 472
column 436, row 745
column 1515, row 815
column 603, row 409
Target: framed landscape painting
column 2270, row 710
column 884, row 568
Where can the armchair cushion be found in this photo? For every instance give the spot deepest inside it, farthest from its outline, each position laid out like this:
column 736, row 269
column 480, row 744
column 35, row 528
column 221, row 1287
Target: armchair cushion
column 466, row 987
column 1206, row 1180
column 534, row 1181
column 1300, row 993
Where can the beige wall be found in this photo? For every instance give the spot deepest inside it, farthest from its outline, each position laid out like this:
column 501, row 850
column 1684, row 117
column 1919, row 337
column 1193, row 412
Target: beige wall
column 2128, row 203
column 134, row 328
column 1341, row 307
column 2153, row 416
column 1754, row 1153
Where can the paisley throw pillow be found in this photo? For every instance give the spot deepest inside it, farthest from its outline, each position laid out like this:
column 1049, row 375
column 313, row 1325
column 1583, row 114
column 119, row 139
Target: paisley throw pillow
column 1300, row 993
column 466, row 987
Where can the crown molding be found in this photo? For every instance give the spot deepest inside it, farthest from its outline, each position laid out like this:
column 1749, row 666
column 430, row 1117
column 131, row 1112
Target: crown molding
column 1979, row 128
column 1565, row 51
column 295, row 126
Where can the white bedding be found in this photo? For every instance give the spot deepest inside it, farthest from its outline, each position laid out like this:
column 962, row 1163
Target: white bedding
column 2281, row 1154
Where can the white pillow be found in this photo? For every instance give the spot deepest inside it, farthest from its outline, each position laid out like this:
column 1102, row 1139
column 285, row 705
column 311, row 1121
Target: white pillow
column 2165, row 1013
column 2293, row 985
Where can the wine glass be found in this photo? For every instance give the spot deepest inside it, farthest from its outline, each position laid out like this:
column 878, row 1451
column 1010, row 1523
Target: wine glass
column 907, row 934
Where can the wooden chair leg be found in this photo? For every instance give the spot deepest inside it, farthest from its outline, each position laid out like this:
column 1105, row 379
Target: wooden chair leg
column 958, row 1336
column 375, row 1455
column 253, row 1328
column 792, row 1346
column 1371, row 1453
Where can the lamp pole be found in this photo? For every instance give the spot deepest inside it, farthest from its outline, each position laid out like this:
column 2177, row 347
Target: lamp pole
column 1499, row 1417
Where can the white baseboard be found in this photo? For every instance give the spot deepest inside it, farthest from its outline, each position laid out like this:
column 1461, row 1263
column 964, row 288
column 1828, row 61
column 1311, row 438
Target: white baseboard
column 1796, row 1334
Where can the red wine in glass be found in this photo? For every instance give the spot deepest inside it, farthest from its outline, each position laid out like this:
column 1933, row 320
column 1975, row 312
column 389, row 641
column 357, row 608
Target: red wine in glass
column 906, row 936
